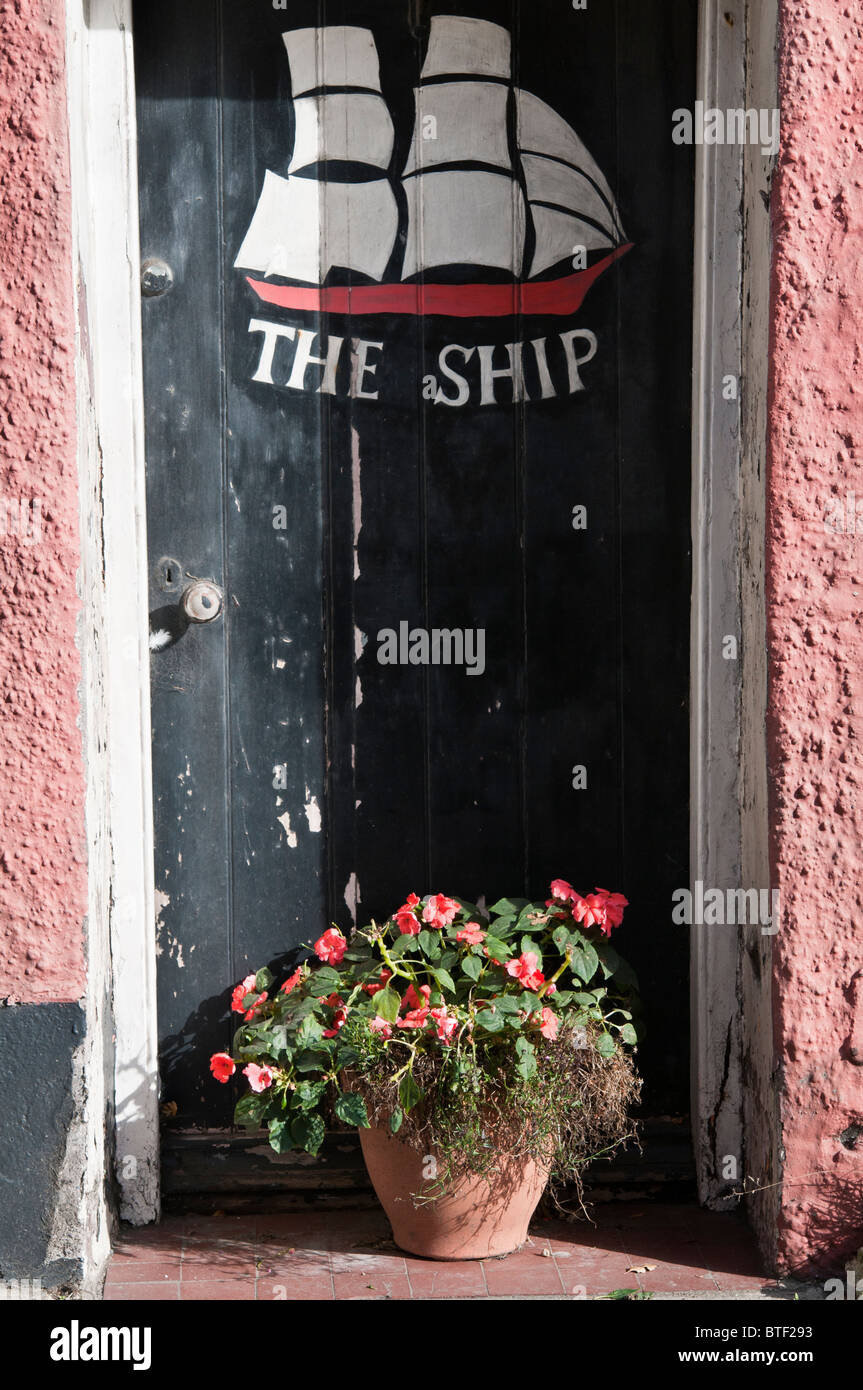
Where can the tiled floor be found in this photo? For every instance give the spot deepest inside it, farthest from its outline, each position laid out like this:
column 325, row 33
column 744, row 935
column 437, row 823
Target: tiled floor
column 349, row 1254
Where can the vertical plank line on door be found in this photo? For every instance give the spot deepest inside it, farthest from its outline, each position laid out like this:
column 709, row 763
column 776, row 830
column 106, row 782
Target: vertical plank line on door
column 520, row 472
column 223, row 475
column 618, row 489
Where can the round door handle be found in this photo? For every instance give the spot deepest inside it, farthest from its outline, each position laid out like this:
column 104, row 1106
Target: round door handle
column 202, row 601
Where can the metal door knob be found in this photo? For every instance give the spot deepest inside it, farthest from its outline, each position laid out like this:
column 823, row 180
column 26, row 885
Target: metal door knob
column 201, row 601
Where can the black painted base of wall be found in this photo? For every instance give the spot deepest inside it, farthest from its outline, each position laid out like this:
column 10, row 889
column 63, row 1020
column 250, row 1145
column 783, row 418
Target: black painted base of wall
column 37, row 1044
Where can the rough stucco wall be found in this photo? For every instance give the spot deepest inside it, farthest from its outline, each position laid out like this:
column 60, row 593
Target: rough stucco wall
column 43, row 889
column 815, row 721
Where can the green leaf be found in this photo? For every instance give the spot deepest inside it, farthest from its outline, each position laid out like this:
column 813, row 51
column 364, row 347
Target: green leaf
column 447, row 960
column 280, row 1136
column 315, row 1059
column 505, row 906
column 526, row 1066
column 584, row 961
column 346, row 1056
column 249, row 1110
column 396, row 1120
column 562, row 937
column 326, row 980
column 472, row 967
column 307, row 1132
column 309, row 1031
column 497, row 949
column 401, row 944
column 444, row 978
column 605, row 1045
column 506, row 1004
column 628, row 1034
column 608, row 959
column 409, row 1093
column 387, row 1004
column 491, row 1022
column 351, row 1110
column 429, row 942
column 263, row 979
column 308, row 1094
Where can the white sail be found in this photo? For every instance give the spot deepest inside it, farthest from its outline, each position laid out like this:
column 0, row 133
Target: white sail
column 556, row 235
column 458, row 122
column 468, row 216
column 337, row 55
column 352, row 126
column 303, row 227
column 540, row 130
column 549, row 181
column 471, row 47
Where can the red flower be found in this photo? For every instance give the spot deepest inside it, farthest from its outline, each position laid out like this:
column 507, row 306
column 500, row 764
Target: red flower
column 562, row 891
column 292, row 981
column 590, row 911
column 258, row 1004
column 406, row 918
column 439, row 911
column 222, row 1066
column 471, row 933
column 524, row 969
column 331, row 946
column 445, row 1024
column 259, row 1077
column 549, row 1024
column 380, row 1025
column 247, row 986
column 614, row 905
column 413, row 1000
column 415, row 1019
column 339, row 1018
column 377, row 985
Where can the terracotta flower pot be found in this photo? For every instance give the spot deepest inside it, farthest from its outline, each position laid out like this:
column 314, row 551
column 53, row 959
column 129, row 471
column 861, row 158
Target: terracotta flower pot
column 478, row 1218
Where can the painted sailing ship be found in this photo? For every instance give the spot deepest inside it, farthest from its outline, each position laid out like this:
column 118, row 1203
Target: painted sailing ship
column 495, row 180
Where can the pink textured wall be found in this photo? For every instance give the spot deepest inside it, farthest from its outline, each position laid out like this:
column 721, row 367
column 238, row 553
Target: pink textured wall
column 42, row 847
column 814, row 601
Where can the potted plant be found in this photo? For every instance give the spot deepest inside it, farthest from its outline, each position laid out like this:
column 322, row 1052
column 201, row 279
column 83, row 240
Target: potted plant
column 479, row 1052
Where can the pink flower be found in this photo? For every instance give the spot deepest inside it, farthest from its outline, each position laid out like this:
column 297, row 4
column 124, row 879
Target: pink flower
column 445, row 1024
column 471, row 933
column 292, row 981
column 223, row 1066
column 439, row 911
column 524, row 969
column 406, row 918
column 259, row 1077
column 331, row 946
column 614, row 905
column 590, row 911
column 246, row 987
column 415, row 1019
column 413, row 1001
column 548, row 1025
column 562, row 890
column 380, row 1025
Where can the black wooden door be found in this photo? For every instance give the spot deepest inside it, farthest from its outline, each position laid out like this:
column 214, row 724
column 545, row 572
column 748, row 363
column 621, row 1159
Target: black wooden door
column 423, row 368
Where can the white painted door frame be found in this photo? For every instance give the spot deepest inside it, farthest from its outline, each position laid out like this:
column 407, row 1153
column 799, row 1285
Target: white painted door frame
column 103, row 137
